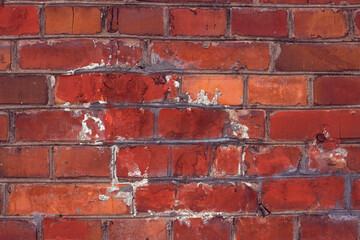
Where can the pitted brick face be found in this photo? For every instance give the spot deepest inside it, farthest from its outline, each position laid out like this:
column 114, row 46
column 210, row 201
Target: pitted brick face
column 179, row 119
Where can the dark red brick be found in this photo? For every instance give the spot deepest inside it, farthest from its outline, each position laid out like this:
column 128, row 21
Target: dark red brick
column 4, row 126
column 17, row 229
column 252, row 22
column 19, row 20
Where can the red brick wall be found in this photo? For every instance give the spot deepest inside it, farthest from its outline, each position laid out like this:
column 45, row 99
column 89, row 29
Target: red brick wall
column 179, row 119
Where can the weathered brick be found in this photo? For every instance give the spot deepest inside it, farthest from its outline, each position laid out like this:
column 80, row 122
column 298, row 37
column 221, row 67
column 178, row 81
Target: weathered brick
column 125, row 229
column 19, row 20
column 17, row 229
column 211, row 55
column 270, row 160
column 227, row 161
column 355, row 194
column 66, row 199
column 357, row 22
column 197, row 22
column 318, row 57
column 126, row 20
column 71, row 229
column 191, row 161
column 155, row 197
column 81, row 161
column 271, row 227
column 319, row 23
column 5, row 60
column 23, row 90
column 64, row 54
column 72, row 20
column 24, row 162
column 277, row 90
column 326, row 227
column 252, row 22
column 247, row 123
column 303, row 194
column 128, row 123
column 305, row 125
column 229, row 86
column 190, row 123
column 93, row 87
column 215, row 198
column 4, row 126
column 337, row 90
column 353, row 157
column 143, row 161
column 196, row 228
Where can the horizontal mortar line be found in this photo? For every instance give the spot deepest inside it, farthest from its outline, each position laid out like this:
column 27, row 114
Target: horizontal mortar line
column 180, row 4
column 234, row 38
column 151, row 69
column 179, row 180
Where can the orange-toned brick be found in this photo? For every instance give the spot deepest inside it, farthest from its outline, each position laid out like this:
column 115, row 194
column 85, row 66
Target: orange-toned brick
column 5, row 60
column 277, row 90
column 127, row 20
column 19, row 20
column 67, row 199
column 211, row 55
column 319, row 23
column 229, row 86
column 24, row 162
column 197, row 22
column 270, row 160
column 126, row 229
column 4, row 126
column 271, row 227
column 304, row 194
column 227, row 161
column 72, row 20
column 56, row 228
column 81, row 161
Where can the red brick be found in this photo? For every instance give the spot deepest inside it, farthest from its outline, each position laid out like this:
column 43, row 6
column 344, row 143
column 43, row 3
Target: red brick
column 311, row 1
column 355, row 194
column 24, row 162
column 197, row 22
column 353, row 157
column 196, row 228
column 65, row 199
column 227, row 161
column 71, row 229
column 325, row 227
column 143, row 161
column 211, row 55
column 337, row 90
column 270, row 160
column 23, row 90
column 2, row 192
column 81, row 161
column 303, row 194
column 5, row 59
column 277, row 90
column 126, row 20
column 193, row 123
column 285, row 1
column 247, row 123
column 17, row 229
column 71, row 20
column 216, row 1
column 336, row 57
column 4, row 126
column 357, row 22
column 319, row 23
column 95, row 87
column 125, row 229
column 229, row 86
column 271, row 227
column 305, row 125
column 191, row 161
column 64, row 54
column 251, row 22
column 128, row 123
column 216, row 198
column 155, row 197
column 58, row 125
column 19, row 20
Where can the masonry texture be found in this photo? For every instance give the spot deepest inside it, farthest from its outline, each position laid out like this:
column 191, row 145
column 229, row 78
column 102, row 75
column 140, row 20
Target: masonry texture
column 179, row 119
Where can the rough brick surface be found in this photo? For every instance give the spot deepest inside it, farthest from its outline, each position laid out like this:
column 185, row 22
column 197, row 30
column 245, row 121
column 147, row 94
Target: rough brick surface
column 17, row 229
column 5, row 56
column 19, row 20
column 4, row 126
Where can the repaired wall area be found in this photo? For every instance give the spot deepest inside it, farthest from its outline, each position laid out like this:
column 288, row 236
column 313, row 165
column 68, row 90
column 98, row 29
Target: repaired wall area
column 177, row 120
